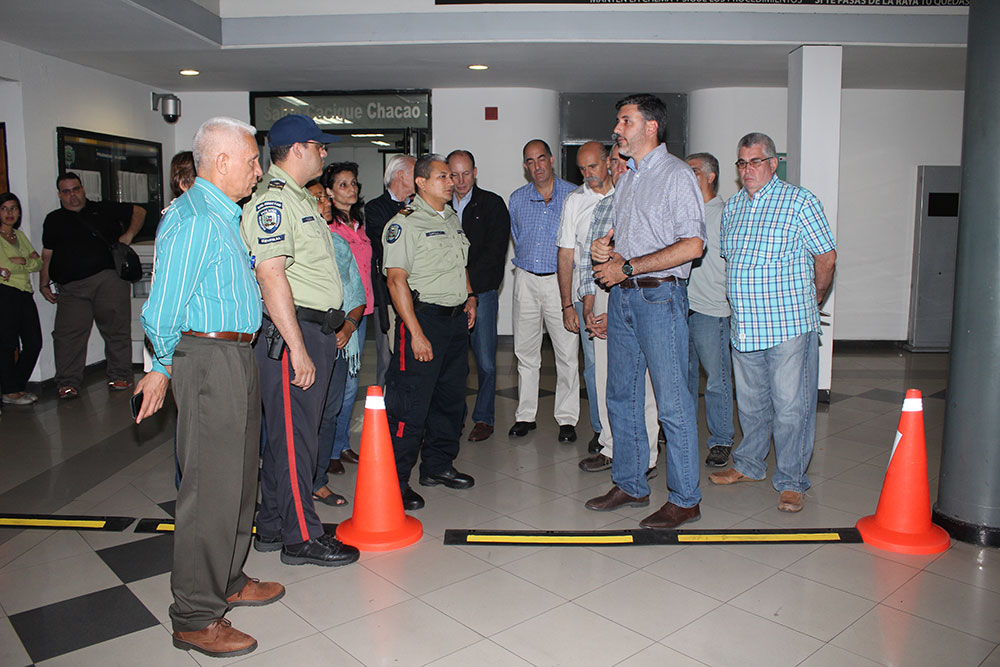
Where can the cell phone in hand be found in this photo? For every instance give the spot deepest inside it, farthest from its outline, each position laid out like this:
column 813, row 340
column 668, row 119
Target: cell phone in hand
column 136, row 404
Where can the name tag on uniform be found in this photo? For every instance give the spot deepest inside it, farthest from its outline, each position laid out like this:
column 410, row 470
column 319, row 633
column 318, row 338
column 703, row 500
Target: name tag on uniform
column 308, row 218
column 271, row 239
column 438, row 233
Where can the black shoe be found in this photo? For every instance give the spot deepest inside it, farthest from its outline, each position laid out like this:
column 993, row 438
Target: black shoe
column 412, row 500
column 718, row 456
column 594, row 446
column 520, row 429
column 567, row 433
column 450, row 478
column 264, row 543
column 324, row 550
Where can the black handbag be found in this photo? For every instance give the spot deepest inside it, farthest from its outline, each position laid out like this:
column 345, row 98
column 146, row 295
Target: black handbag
column 127, row 262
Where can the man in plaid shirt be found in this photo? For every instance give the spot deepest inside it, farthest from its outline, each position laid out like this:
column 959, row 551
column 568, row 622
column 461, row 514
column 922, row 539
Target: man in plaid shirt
column 780, row 258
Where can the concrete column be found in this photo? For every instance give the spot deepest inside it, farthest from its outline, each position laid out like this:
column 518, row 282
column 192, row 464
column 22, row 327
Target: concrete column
column 968, row 503
column 814, row 75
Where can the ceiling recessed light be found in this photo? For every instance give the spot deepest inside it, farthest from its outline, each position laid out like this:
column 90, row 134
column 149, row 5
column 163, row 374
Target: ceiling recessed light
column 189, row 72
column 479, row 67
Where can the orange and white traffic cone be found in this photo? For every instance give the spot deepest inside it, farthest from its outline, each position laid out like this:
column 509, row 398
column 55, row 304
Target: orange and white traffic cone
column 378, row 522
column 902, row 520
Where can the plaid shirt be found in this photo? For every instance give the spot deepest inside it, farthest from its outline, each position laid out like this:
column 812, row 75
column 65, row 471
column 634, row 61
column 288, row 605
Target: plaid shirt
column 602, row 220
column 769, row 243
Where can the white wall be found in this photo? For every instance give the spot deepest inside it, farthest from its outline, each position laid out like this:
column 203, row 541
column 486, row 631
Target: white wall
column 458, row 121
column 885, row 135
column 196, row 108
column 56, row 93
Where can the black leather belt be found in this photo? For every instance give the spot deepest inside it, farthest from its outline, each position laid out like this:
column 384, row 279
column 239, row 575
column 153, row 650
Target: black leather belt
column 542, row 275
column 633, row 283
column 434, row 309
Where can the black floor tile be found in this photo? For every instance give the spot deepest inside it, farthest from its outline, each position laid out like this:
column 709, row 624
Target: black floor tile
column 80, row 622
column 170, row 507
column 140, row 560
column 885, row 395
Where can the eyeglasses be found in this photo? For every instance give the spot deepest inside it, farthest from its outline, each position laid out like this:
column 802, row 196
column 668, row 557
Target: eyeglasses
column 322, row 198
column 755, row 162
column 321, row 146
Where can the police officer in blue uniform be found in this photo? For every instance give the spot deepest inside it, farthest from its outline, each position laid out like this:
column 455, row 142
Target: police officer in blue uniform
column 425, row 256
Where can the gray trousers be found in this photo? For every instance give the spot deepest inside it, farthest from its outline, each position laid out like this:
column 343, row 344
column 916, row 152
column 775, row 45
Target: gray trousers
column 102, row 298
column 217, row 390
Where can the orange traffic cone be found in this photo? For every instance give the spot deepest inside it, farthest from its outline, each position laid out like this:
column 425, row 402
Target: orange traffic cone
column 378, row 523
column 902, row 520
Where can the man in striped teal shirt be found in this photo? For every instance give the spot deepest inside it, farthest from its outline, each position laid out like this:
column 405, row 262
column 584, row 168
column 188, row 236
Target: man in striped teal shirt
column 201, row 317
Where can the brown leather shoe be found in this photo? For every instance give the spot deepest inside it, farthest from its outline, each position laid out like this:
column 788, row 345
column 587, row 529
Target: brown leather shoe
column 614, row 499
column 256, row 594
column 480, row 432
column 335, row 467
column 791, row 501
column 349, row 456
column 595, row 463
column 219, row 640
column 730, row 476
column 670, row 516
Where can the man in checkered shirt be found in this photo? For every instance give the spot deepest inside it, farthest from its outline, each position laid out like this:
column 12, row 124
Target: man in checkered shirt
column 780, row 258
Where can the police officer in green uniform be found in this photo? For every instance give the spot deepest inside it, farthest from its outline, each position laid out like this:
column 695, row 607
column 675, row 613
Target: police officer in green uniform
column 425, row 253
column 295, row 264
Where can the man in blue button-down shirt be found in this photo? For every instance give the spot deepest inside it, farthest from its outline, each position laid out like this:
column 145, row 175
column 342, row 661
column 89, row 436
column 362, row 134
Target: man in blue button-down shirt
column 535, row 209
column 201, row 317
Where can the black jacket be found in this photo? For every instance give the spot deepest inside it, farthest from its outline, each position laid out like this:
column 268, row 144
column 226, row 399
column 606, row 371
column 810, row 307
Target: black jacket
column 378, row 212
column 486, row 223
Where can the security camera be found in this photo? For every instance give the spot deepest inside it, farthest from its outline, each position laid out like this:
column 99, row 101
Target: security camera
column 171, row 110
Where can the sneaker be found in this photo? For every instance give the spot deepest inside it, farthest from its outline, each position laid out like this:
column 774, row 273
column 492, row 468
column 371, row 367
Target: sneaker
column 718, row 456
column 68, row 392
column 595, row 463
column 20, row 398
column 119, row 385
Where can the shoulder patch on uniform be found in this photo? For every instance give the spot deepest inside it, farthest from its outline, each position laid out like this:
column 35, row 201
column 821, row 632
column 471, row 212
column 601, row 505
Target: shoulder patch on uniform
column 434, row 233
column 395, row 231
column 269, row 219
column 271, row 239
column 276, row 184
column 405, row 211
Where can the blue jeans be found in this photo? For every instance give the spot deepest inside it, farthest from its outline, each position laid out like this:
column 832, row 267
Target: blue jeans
column 483, row 341
column 776, row 390
column 589, row 376
column 329, row 421
column 647, row 327
column 342, row 439
column 709, row 344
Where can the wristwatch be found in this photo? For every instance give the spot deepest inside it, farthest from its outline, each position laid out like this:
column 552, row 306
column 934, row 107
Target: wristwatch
column 627, row 268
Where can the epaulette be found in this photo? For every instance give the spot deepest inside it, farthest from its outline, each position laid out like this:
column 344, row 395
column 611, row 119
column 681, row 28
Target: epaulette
column 275, row 184
column 406, row 211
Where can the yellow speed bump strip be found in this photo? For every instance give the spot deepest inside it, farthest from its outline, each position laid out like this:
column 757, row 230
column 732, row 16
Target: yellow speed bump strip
column 645, row 537
column 114, row 524
column 167, row 526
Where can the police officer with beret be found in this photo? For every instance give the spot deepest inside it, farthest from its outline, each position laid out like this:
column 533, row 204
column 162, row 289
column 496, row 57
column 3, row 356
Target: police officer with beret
column 425, row 255
column 296, row 267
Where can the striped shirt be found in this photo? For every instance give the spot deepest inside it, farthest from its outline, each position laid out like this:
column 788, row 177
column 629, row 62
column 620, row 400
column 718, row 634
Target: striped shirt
column 535, row 224
column 769, row 242
column 202, row 279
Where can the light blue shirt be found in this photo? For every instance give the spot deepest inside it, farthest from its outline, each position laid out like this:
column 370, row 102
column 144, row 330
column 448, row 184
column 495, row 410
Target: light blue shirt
column 202, row 280
column 769, row 243
column 460, row 204
column 534, row 226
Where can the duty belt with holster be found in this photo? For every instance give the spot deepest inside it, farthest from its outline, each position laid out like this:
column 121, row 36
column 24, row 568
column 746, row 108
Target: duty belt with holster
column 329, row 321
column 446, row 311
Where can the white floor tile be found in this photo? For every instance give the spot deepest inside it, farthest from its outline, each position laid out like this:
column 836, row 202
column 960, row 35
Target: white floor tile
column 492, row 601
column 707, row 569
column 831, row 656
column 62, row 544
column 659, row 655
column 341, row 595
column 853, row 571
column 974, row 565
column 451, row 511
column 569, row 571
column 800, row 604
column 154, row 593
column 509, row 496
column 426, row 566
column 30, row 587
column 410, row 633
column 151, row 646
column 951, row 603
column 571, row 636
column 647, row 604
column 747, row 640
column 566, row 514
column 312, row 650
column 893, row 637
column 272, row 626
column 481, row 654
column 12, row 653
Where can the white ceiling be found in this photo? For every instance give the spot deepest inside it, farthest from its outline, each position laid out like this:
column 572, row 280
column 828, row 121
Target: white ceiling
column 584, row 51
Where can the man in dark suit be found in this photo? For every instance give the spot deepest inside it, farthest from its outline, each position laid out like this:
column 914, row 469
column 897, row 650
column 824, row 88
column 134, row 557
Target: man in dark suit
column 486, row 224
column 399, row 190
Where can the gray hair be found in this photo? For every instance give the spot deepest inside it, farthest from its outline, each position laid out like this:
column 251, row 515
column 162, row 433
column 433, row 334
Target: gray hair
column 211, row 138
column 396, row 164
column 709, row 164
column 422, row 168
column 759, row 139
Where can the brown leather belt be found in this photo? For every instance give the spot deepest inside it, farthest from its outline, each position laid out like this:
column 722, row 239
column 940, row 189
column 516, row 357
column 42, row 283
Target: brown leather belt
column 633, row 283
column 234, row 336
